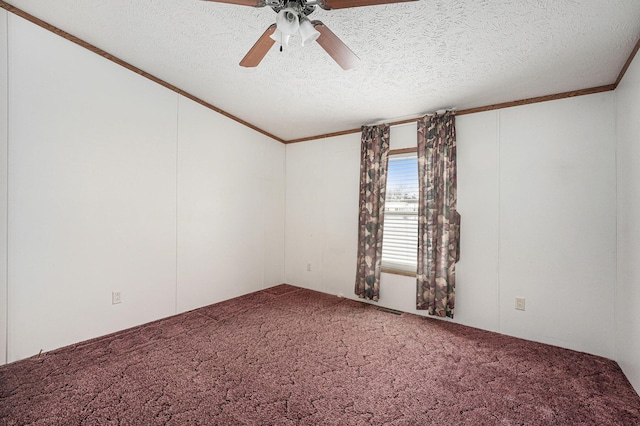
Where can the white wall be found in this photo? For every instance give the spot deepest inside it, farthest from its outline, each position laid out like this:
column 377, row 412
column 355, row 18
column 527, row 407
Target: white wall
column 117, row 183
column 538, row 220
column 322, row 213
column 230, row 208
column 477, row 295
column 3, row 185
column 92, row 194
column 557, row 222
column 627, row 308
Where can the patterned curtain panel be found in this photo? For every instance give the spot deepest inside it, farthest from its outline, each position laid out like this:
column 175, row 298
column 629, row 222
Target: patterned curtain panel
column 374, row 151
column 438, row 220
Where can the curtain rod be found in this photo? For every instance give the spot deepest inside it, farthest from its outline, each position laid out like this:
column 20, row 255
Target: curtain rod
column 411, row 120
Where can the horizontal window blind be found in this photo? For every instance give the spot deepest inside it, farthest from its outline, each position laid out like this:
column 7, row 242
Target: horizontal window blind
column 400, row 238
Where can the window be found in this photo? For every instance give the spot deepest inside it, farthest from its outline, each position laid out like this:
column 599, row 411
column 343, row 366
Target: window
column 400, row 238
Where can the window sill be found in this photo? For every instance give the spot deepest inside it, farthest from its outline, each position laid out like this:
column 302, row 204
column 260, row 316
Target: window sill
column 397, row 272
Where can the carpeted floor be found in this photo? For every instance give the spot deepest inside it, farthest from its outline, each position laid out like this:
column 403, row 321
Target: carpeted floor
column 288, row 356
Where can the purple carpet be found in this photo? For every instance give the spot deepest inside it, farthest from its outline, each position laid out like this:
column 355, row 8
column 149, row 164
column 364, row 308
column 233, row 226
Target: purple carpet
column 288, row 356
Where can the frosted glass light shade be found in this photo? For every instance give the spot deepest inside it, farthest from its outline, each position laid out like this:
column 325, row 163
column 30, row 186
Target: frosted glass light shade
column 308, row 33
column 283, row 39
column 287, row 21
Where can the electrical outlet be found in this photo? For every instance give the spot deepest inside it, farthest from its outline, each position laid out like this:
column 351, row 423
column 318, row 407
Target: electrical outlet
column 520, row 303
column 115, row 298
column 309, row 267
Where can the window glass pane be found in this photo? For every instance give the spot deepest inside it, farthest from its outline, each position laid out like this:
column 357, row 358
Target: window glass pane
column 400, row 239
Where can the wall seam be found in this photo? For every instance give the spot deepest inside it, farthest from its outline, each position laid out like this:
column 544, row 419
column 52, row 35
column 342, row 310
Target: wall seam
column 284, row 217
column 284, row 234
column 616, row 209
column 6, row 343
column 263, row 204
column 176, row 198
column 324, row 217
column 499, row 224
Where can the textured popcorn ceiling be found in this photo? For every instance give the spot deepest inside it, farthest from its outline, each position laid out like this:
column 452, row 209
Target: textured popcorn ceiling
column 415, row 57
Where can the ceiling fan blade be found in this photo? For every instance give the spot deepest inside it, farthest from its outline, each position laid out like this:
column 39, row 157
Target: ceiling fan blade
column 335, row 47
column 254, row 3
column 260, row 49
column 343, row 4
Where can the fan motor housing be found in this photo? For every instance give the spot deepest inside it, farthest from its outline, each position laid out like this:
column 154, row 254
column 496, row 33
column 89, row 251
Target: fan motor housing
column 301, row 6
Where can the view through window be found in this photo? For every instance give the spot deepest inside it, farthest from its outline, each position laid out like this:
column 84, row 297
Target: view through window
column 400, row 238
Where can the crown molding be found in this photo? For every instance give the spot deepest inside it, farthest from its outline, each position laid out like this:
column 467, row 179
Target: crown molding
column 39, row 22
column 502, row 105
column 626, row 64
column 106, row 55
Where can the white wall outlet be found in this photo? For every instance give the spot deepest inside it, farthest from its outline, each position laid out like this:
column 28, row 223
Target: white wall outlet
column 308, row 266
column 115, row 298
column 520, row 303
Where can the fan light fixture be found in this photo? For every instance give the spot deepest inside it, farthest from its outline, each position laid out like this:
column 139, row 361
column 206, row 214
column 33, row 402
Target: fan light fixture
column 289, row 21
column 292, row 18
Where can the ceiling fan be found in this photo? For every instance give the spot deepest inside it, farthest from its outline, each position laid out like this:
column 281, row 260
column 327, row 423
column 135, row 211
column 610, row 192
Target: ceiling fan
column 292, row 18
